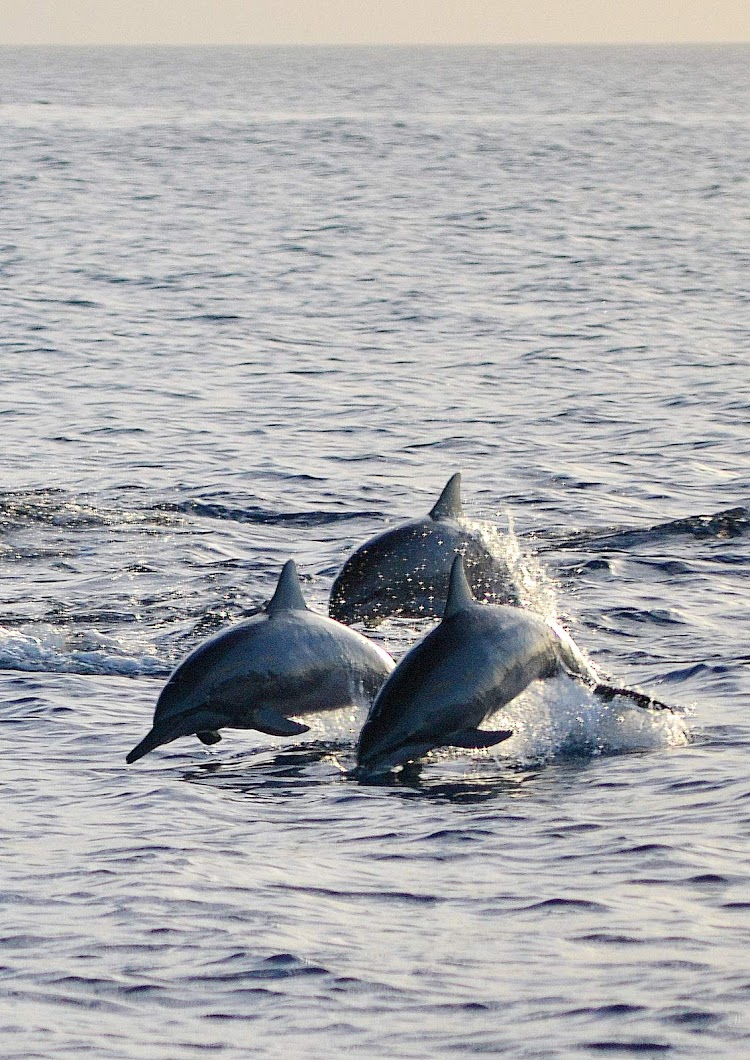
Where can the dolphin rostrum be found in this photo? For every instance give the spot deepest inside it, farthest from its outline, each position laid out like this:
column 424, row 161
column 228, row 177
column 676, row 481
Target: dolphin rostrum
column 285, row 661
column 405, row 570
column 477, row 660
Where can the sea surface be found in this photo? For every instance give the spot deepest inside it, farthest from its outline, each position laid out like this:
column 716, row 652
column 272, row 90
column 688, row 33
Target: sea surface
column 261, row 303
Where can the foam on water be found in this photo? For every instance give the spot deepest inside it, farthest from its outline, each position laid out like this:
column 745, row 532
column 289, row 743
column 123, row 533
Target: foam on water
column 561, row 716
column 334, row 726
column 58, row 650
column 533, row 584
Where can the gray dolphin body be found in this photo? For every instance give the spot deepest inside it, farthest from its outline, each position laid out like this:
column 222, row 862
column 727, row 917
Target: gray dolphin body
column 285, row 661
column 405, row 570
column 479, row 658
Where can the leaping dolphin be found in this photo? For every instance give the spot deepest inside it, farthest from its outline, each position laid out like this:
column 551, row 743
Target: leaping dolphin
column 477, row 660
column 285, row 661
column 405, row 570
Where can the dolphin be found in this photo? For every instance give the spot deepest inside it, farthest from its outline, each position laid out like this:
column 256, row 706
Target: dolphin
column 284, row 661
column 477, row 660
column 405, row 570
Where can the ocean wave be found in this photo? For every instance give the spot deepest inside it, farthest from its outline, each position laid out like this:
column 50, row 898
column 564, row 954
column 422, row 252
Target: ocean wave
column 728, row 523
column 206, row 509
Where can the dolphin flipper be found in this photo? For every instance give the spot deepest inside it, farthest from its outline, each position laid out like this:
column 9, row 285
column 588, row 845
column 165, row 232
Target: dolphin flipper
column 270, row 721
column 474, row 738
column 209, row 737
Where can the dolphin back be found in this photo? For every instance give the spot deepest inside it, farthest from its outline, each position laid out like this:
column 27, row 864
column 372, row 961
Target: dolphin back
column 405, row 572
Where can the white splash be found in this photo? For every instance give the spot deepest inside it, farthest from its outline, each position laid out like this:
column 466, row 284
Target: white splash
column 560, row 716
column 340, row 726
column 53, row 649
column 535, row 588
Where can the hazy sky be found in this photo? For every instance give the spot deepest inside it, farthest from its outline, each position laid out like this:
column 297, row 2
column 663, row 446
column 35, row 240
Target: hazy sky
column 369, row 21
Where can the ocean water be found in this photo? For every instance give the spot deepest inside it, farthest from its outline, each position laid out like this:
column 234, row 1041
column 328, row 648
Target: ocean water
column 259, row 304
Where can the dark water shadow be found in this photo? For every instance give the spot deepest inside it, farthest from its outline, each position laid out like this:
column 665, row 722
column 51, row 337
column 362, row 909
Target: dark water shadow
column 729, row 523
column 295, row 772
column 464, row 780
column 287, row 773
column 417, row 781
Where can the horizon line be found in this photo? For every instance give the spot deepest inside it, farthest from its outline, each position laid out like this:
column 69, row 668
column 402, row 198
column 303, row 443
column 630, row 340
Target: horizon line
column 380, row 44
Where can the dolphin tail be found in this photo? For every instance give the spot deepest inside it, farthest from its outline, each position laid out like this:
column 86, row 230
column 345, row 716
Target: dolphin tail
column 641, row 699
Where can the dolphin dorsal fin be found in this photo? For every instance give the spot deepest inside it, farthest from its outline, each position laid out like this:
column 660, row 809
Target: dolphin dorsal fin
column 288, row 595
column 459, row 593
column 449, row 505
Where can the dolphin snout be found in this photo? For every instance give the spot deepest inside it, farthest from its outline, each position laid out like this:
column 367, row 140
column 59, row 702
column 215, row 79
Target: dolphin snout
column 380, row 749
